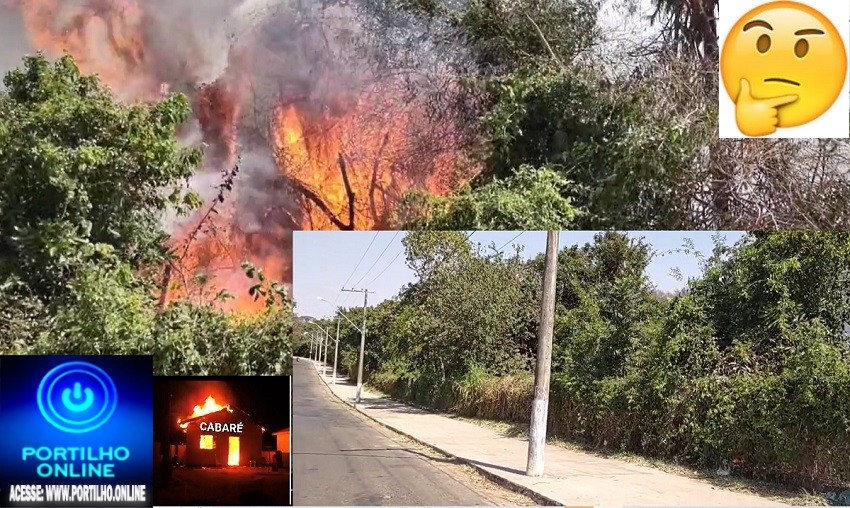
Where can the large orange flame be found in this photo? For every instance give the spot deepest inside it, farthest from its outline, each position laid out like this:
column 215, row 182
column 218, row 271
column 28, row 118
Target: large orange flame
column 340, row 165
column 209, row 406
column 361, row 163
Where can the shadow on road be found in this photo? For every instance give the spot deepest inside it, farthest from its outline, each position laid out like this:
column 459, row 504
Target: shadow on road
column 494, row 466
column 391, row 405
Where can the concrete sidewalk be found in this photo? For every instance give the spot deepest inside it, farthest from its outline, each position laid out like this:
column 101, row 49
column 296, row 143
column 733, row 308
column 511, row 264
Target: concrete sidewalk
column 572, row 477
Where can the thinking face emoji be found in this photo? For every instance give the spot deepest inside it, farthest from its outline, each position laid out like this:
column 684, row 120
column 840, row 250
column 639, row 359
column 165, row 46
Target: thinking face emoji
column 784, row 65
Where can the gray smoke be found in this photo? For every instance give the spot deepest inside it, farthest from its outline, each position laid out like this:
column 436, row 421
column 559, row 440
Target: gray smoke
column 272, row 47
column 318, row 55
column 13, row 38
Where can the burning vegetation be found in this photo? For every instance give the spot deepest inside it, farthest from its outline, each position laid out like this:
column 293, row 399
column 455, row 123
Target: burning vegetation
column 301, row 130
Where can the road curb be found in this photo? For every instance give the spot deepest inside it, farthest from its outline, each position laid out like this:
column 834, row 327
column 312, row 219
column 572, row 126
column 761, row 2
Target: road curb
column 500, row 480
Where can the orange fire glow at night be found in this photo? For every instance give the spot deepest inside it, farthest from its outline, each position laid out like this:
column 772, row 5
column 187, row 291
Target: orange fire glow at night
column 343, row 162
column 210, row 406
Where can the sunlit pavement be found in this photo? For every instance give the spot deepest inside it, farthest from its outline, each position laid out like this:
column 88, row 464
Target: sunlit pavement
column 572, row 477
column 342, row 458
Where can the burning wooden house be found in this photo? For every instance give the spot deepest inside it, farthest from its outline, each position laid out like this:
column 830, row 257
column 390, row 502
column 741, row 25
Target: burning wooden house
column 218, row 435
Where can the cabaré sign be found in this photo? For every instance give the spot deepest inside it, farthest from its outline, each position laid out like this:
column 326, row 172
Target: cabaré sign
column 221, row 427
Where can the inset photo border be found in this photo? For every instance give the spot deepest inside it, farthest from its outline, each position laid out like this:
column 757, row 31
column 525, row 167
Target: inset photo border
column 222, row 441
column 781, row 66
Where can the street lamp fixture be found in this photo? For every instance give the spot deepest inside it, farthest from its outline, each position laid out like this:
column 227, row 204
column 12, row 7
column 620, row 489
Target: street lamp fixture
column 339, row 311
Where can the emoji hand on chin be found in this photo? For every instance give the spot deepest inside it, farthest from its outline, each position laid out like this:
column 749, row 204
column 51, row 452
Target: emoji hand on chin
column 758, row 117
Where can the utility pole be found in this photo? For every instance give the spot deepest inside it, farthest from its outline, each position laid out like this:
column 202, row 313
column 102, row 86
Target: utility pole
column 325, row 361
column 336, row 347
column 362, row 343
column 319, row 340
column 540, row 407
column 311, row 343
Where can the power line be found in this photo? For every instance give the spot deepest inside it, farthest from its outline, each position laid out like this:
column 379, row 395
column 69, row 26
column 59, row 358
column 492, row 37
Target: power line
column 356, row 266
column 386, row 267
column 357, row 284
column 511, row 240
column 396, row 257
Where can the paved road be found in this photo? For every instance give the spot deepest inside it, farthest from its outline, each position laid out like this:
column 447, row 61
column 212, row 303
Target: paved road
column 342, row 458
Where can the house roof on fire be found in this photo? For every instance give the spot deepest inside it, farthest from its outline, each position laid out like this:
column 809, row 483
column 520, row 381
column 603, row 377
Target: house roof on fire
column 229, row 409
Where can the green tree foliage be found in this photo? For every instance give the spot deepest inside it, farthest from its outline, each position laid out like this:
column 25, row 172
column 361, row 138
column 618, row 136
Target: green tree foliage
column 750, row 364
column 531, row 199
column 618, row 142
column 784, row 284
column 505, row 36
column 84, row 184
column 83, row 177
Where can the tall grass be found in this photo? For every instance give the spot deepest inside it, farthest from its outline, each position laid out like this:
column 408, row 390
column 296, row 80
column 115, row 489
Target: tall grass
column 748, row 419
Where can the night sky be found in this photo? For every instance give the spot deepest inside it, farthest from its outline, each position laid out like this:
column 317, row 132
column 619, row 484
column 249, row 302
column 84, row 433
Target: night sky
column 265, row 398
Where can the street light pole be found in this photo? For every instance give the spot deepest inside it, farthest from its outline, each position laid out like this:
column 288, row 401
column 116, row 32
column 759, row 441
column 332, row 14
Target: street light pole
column 319, row 357
column 319, row 338
column 325, row 361
column 340, row 313
column 336, row 347
column 540, row 407
column 362, row 343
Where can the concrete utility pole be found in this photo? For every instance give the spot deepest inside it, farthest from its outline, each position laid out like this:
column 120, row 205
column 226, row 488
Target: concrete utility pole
column 325, row 361
column 311, row 344
column 340, row 314
column 540, row 407
column 336, row 347
column 319, row 339
column 362, row 343
column 323, row 331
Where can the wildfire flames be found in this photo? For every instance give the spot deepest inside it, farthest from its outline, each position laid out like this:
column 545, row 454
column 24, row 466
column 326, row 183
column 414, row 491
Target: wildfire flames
column 320, row 142
column 210, row 406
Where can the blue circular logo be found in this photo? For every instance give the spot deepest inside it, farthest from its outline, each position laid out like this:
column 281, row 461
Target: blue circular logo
column 77, row 397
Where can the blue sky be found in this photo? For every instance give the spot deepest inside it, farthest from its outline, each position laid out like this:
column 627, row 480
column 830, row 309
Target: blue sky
column 325, row 260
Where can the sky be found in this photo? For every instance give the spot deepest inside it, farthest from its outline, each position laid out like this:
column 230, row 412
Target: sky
column 324, row 261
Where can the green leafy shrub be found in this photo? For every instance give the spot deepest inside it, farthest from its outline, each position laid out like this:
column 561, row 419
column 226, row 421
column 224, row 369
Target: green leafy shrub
column 84, row 183
column 749, row 366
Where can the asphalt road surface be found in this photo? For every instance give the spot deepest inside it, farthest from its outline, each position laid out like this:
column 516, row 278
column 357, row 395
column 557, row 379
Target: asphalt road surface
column 340, row 457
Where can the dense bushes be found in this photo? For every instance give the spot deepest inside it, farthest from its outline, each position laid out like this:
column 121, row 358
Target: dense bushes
column 751, row 364
column 184, row 339
column 84, row 184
